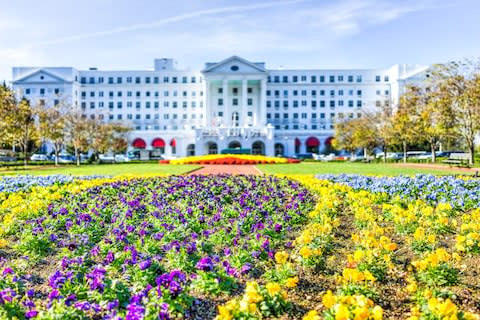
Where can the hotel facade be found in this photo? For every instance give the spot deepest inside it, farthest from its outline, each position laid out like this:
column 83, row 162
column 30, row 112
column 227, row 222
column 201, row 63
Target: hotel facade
column 234, row 103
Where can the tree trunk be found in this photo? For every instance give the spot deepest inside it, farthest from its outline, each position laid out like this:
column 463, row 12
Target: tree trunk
column 77, row 157
column 25, row 160
column 384, row 154
column 434, row 156
column 471, row 153
column 56, row 157
column 404, row 152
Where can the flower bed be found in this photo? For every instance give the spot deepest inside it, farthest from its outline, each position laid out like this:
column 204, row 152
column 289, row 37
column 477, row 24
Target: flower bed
column 242, row 247
column 228, row 159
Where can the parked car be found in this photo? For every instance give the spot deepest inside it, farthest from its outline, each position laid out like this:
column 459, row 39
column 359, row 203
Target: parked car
column 424, row 156
column 106, row 158
column 65, row 158
column 390, row 155
column 303, row 156
column 39, row 157
column 121, row 158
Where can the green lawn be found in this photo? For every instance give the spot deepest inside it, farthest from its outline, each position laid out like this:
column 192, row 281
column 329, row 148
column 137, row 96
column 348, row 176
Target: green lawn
column 348, row 167
column 107, row 169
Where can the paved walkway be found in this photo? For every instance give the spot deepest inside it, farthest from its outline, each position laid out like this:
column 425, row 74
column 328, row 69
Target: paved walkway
column 227, row 169
column 438, row 166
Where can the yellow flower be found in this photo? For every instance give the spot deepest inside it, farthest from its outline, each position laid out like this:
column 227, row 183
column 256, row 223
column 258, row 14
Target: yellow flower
column 342, row 313
column 273, row 288
column 329, row 299
column 305, row 252
column 3, row 243
column 431, row 238
column 377, row 313
column 281, row 257
column 292, row 282
column 312, row 315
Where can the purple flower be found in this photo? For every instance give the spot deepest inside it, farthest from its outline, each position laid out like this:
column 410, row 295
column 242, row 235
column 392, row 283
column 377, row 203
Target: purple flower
column 109, row 258
column 7, row 270
column 31, row 314
column 145, row 264
column 278, row 227
column 205, row 264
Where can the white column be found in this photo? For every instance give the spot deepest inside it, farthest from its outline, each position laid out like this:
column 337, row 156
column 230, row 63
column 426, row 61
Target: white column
column 244, row 103
column 261, row 107
column 207, row 120
column 226, row 114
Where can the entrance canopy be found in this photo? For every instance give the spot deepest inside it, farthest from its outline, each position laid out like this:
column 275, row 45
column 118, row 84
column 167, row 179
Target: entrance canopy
column 139, row 143
column 312, row 142
column 158, row 143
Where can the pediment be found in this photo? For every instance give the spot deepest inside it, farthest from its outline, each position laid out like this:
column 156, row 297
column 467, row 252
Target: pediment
column 40, row 76
column 235, row 64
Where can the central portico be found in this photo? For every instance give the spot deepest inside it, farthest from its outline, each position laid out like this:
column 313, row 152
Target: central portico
column 235, row 115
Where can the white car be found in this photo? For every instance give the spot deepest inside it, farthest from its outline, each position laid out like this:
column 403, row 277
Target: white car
column 106, row 158
column 121, row 158
column 39, row 157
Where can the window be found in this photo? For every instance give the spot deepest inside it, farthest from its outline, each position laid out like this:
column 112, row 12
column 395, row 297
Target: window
column 91, row 80
column 100, row 79
column 359, row 103
column 220, row 90
column 100, row 104
column 129, row 116
column 119, row 79
column 137, row 94
column 129, row 79
column 27, row 91
column 42, row 92
column 359, row 78
column 322, row 103
column 269, row 104
column 100, row 94
column 285, row 79
column 174, row 104
column 174, row 80
column 322, row 92
column 129, row 104
column 285, row 103
column 156, row 104
column 119, row 105
column 314, row 103
column 156, row 80
column 340, row 103
column 386, row 79
column 249, row 90
column 193, row 79
column 295, row 79
column 184, row 93
column 184, row 104
column 235, row 102
column 350, row 103
column 147, row 105
column 92, row 94
column 313, row 79
column 332, row 103
column 322, row 78
column 350, row 78
column 332, row 93
column 303, row 78
column 276, row 79
column 377, row 78
column 295, row 92
column 129, row 93
column 83, row 80
column 304, row 92
column 277, row 104
column 119, row 93
column 184, row 79
column 220, row 102
column 304, row 103
column 137, row 116
column 250, row 101
column 332, row 79
column 359, row 93
column 147, row 79
column 165, row 79
column 92, row 105
column 137, row 105
column 340, row 78
column 314, row 93
column 235, row 91
column 295, row 116
column 110, row 105
column 340, row 92
column 137, row 80
column 110, row 80
column 295, row 103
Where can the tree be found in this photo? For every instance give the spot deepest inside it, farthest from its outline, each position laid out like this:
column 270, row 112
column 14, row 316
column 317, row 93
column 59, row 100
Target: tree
column 459, row 90
column 52, row 126
column 405, row 119
column 356, row 133
column 22, row 127
column 76, row 132
column 7, row 107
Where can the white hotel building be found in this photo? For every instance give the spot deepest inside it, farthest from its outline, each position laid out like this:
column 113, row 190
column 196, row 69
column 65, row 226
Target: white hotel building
column 229, row 104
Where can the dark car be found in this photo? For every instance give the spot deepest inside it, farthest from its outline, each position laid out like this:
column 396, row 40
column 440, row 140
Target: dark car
column 303, row 156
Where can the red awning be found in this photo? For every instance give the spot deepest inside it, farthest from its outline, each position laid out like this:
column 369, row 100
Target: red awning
column 312, row 142
column 329, row 140
column 158, row 143
column 139, row 143
column 173, row 143
column 297, row 142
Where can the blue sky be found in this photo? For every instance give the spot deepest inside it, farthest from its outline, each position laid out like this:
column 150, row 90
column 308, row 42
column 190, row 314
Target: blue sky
column 129, row 34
